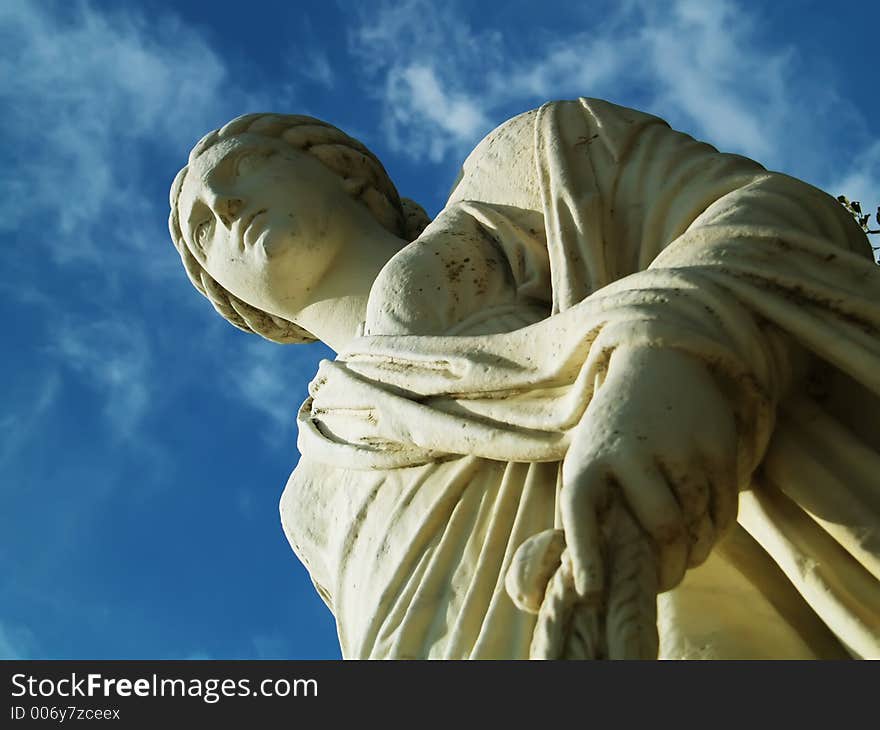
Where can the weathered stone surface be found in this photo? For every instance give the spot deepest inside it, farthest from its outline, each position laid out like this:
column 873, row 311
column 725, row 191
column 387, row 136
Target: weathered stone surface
column 618, row 364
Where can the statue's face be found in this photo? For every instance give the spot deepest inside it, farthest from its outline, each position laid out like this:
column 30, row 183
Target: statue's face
column 263, row 219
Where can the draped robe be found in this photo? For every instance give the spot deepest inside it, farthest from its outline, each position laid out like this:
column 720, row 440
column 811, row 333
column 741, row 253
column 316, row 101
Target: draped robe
column 432, row 446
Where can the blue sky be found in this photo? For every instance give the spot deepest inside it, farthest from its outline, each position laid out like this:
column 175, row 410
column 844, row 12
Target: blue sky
column 144, row 442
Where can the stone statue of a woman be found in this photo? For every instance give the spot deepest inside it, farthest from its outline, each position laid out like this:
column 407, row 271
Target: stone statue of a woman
column 621, row 398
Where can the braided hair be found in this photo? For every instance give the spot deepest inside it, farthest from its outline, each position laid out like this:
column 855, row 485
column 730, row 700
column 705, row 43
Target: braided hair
column 363, row 176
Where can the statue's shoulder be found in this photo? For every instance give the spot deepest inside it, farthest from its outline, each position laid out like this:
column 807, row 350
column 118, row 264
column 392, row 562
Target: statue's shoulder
column 516, row 132
column 502, row 169
column 523, row 125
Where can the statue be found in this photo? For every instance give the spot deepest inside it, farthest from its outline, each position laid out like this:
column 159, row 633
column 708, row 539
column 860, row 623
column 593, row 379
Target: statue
column 619, row 399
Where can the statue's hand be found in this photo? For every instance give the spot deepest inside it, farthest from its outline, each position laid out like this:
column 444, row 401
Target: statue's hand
column 659, row 430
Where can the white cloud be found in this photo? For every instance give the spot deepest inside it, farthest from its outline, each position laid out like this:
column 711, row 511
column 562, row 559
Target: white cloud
column 701, row 65
column 418, row 54
column 113, row 357
column 860, row 180
column 81, row 94
column 259, row 379
column 418, row 100
column 92, row 95
column 271, row 379
column 709, row 69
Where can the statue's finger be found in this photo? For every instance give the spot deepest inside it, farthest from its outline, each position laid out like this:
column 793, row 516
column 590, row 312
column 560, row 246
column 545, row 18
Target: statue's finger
column 723, row 496
column 581, row 498
column 693, row 490
column 690, row 487
column 702, row 536
column 649, row 493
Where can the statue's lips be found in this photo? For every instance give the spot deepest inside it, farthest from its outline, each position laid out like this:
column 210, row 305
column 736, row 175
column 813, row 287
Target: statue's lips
column 255, row 227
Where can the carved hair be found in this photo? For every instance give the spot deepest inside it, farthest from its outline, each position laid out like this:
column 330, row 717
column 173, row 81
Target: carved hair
column 364, row 178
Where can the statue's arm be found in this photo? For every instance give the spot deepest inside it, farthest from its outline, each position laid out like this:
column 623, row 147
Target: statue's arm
column 678, row 205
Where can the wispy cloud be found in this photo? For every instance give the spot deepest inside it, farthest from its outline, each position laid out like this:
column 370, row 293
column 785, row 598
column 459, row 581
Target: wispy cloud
column 113, row 357
column 701, row 65
column 21, row 422
column 859, row 179
column 90, row 96
column 93, row 96
column 271, row 379
column 425, row 117
column 317, row 68
column 708, row 68
column 93, row 87
column 420, row 57
column 308, row 59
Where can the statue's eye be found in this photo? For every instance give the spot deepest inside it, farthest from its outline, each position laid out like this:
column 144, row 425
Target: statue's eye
column 200, row 236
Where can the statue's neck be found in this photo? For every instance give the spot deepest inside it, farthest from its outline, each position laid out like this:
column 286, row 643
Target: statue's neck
column 338, row 305
column 335, row 321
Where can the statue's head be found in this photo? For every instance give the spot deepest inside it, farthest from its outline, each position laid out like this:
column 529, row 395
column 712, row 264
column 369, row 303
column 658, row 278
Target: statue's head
column 264, row 205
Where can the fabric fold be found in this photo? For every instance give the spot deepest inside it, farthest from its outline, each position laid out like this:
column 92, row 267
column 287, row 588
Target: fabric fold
column 760, row 276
